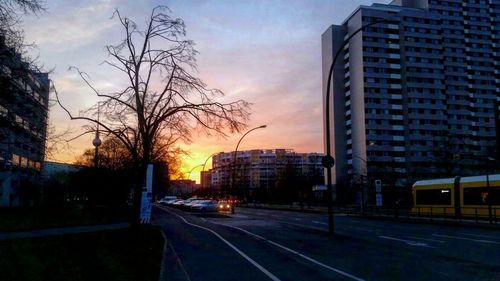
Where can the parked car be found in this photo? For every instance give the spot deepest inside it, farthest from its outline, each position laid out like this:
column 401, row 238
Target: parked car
column 178, row 204
column 172, row 202
column 188, row 205
column 205, row 206
column 166, row 199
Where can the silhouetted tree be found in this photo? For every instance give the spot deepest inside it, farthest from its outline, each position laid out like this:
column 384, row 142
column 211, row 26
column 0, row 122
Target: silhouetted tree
column 163, row 99
column 11, row 12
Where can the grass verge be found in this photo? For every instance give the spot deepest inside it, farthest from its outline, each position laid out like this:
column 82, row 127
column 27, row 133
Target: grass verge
column 127, row 254
column 19, row 219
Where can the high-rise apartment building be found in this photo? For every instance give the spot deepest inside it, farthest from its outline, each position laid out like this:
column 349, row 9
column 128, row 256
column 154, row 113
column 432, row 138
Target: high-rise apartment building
column 414, row 97
column 24, row 95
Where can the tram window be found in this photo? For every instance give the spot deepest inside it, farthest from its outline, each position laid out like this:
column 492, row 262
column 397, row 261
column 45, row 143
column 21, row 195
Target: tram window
column 481, row 195
column 434, row 197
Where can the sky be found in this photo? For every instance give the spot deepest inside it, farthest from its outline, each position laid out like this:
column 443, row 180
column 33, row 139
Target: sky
column 267, row 52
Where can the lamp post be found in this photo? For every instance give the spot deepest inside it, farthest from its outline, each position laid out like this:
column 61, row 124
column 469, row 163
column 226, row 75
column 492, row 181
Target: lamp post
column 203, row 169
column 328, row 160
column 490, row 193
column 192, row 169
column 363, row 186
column 235, row 159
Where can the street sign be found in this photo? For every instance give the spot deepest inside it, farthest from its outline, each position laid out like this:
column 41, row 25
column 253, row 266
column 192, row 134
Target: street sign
column 378, row 186
column 147, row 196
column 327, row 161
column 379, row 200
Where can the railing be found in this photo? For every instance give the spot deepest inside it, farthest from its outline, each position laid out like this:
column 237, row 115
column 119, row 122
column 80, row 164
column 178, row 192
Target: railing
column 437, row 214
column 470, row 214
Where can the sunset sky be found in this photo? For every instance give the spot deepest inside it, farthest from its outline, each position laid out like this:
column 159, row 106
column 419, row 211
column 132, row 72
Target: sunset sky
column 267, row 52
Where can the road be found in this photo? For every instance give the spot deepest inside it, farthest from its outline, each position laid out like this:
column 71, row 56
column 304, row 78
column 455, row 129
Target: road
column 257, row 244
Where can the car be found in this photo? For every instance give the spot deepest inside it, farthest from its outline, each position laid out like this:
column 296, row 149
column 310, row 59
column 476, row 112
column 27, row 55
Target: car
column 172, row 202
column 205, row 206
column 224, row 206
column 191, row 203
column 178, row 204
column 166, row 199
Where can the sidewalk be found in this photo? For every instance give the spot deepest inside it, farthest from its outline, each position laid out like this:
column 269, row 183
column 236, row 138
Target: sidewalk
column 61, row 231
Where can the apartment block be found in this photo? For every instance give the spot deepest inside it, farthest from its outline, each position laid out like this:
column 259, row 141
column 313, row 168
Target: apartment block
column 259, row 169
column 413, row 97
column 24, row 95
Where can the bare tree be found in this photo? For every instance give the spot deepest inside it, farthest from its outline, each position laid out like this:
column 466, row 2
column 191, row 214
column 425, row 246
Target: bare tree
column 163, row 102
column 11, row 12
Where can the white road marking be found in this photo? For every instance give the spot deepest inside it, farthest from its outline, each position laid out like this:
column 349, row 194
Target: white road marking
column 254, row 263
column 469, row 239
column 320, row 222
column 179, row 261
column 426, row 239
column 358, row 228
column 297, row 253
column 302, row 225
column 483, row 236
column 409, row 242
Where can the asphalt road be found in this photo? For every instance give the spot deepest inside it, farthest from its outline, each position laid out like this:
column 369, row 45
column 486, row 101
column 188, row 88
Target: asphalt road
column 257, row 244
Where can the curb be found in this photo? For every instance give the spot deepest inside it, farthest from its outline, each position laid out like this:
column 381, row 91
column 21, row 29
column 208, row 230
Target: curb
column 172, row 260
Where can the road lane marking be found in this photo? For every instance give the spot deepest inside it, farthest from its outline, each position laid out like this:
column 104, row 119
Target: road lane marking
column 296, row 253
column 426, row 239
column 469, row 239
column 358, row 228
column 320, row 222
column 249, row 259
column 178, row 260
column 477, row 235
column 302, row 225
column 409, row 242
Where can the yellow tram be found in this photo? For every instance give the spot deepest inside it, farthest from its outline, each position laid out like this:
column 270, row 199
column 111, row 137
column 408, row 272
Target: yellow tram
column 458, row 197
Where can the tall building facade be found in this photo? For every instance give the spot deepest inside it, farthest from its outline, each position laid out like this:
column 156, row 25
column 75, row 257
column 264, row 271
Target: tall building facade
column 24, row 96
column 413, row 97
column 259, row 169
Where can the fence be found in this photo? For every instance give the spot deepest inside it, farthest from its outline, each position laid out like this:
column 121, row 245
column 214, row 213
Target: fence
column 444, row 214
column 470, row 214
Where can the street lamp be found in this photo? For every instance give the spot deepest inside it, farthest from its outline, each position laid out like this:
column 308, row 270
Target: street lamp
column 234, row 159
column 490, row 193
column 364, row 175
column 189, row 173
column 203, row 169
column 328, row 160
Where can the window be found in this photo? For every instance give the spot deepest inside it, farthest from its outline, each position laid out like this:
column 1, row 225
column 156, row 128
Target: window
column 434, row 197
column 481, row 195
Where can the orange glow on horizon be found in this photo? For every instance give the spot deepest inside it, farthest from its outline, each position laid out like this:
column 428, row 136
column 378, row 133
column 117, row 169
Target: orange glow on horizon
column 203, row 147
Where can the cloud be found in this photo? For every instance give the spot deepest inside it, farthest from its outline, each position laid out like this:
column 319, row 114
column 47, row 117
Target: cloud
column 70, row 24
column 266, row 52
